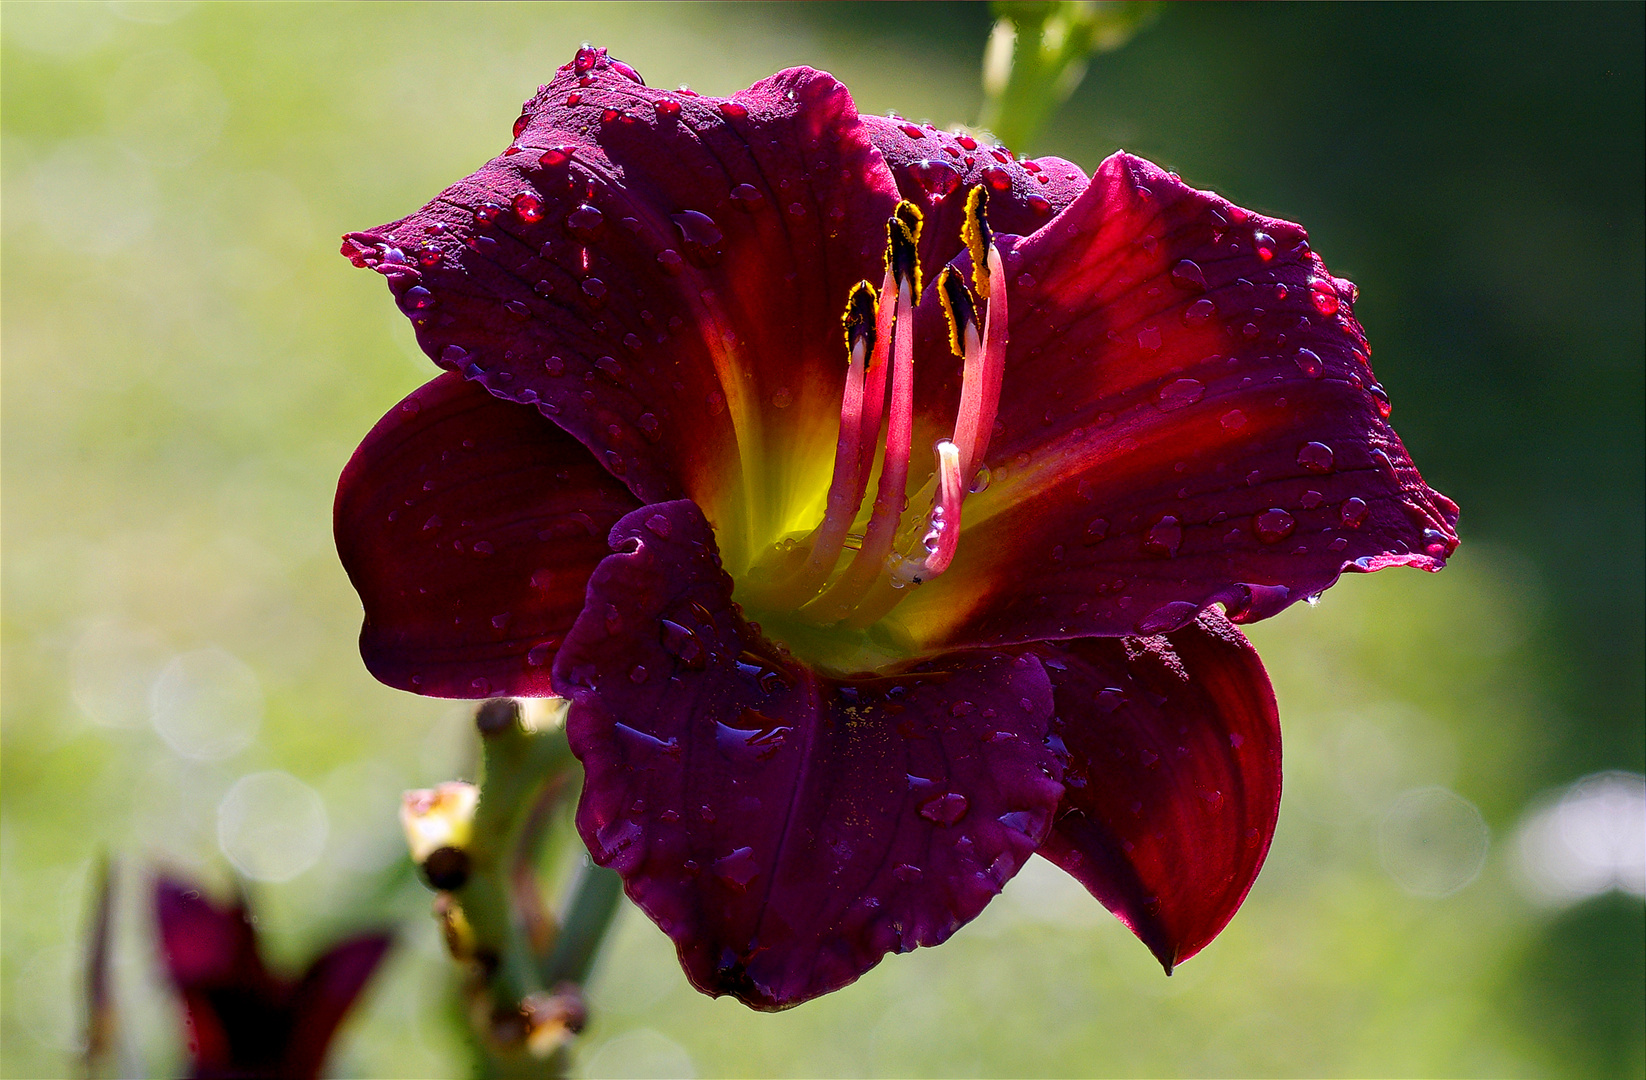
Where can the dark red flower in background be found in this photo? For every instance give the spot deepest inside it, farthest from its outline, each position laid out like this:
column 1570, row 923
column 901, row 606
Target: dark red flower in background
column 244, row 1022
column 819, row 723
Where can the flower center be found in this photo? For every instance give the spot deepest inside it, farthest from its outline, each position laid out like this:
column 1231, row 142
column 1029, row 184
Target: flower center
column 827, row 606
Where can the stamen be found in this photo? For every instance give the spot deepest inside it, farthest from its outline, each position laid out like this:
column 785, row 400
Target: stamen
column 943, row 535
column 850, row 463
column 867, row 565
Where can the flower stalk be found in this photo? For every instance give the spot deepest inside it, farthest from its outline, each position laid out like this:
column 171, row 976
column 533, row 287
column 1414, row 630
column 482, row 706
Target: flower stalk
column 1037, row 56
column 480, row 849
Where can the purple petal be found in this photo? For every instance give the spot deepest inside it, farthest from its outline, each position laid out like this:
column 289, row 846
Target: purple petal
column 787, row 829
column 1173, row 779
column 935, row 169
column 469, row 526
column 324, row 995
column 1183, row 422
column 663, row 273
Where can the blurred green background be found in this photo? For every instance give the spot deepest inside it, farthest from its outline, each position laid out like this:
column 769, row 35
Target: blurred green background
column 188, row 364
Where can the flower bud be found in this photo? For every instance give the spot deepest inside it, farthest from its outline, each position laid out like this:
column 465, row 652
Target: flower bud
column 439, row 818
column 552, row 1020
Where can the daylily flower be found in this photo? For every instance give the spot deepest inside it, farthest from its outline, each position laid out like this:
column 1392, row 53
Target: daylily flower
column 245, row 1022
column 831, row 694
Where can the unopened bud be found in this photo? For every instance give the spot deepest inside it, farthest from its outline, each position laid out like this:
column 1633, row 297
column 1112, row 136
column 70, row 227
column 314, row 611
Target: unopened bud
column 552, row 1020
column 454, row 927
column 441, row 817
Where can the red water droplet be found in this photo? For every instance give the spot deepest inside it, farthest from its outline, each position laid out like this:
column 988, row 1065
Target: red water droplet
column 1265, row 245
column 585, row 58
column 1381, row 396
column 945, row 809
column 428, row 255
column 520, row 124
column 747, row 196
column 1188, row 275
column 595, row 290
column 487, row 212
column 670, row 260
column 911, row 131
column 1323, row 296
column 1199, row 312
column 1180, row 392
column 1316, row 457
column 1164, row 537
column 1274, row 525
column 556, row 155
column 528, row 207
column 1041, row 206
column 937, row 178
column 668, row 107
column 609, row 116
column 966, row 141
column 585, row 221
column 733, row 110
column 997, row 178
column 1001, row 155
column 1353, row 512
column 698, row 228
column 1309, row 362
column 1030, row 164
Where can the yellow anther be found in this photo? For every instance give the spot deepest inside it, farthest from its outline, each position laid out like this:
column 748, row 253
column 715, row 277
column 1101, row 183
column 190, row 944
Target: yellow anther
column 862, row 312
column 979, row 239
column 958, row 307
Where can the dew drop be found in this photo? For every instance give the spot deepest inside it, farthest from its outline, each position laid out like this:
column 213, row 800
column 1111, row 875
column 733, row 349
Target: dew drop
column 668, row 107
column 1148, row 339
column 1381, row 396
column 1096, row 529
column 595, row 290
column 1323, row 296
column 997, row 178
column 936, row 178
column 1199, row 312
column 946, row 809
column 1188, row 275
column 980, row 482
column 966, row 141
column 1168, row 617
column 1233, row 420
column 585, row 221
column 528, row 207
column 1265, row 245
column 637, row 674
column 557, row 155
column 1353, row 512
column 416, row 298
column 1164, row 537
column 1039, row 205
column 1308, row 361
column 483, row 548
column 670, row 260
column 659, row 526
column 783, row 398
column 907, row 873
column 698, row 228
column 1316, row 457
column 1274, row 525
column 912, row 131
column 733, row 110
column 1180, row 392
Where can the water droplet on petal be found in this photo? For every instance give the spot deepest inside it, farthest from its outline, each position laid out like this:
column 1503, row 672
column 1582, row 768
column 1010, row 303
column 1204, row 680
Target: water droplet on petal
column 997, row 178
column 783, row 397
column 1164, row 537
column 1188, row 275
column 1381, row 396
column 585, row 221
column 945, row 809
column 1274, row 525
column 1316, row 457
column 557, row 155
column 670, row 260
column 528, row 207
column 1148, row 339
column 733, row 110
column 1233, row 420
column 1096, row 529
column 1168, row 617
column 1309, row 362
column 1323, row 296
column 1265, row 245
column 698, row 228
column 1199, row 312
column 659, row 525
column 1179, row 393
column 737, row 869
column 667, row 107
column 936, row 178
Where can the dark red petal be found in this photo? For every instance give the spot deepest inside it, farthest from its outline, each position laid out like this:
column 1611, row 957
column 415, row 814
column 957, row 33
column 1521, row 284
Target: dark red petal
column 1173, row 777
column 324, row 995
column 673, row 294
column 211, row 955
column 1182, row 423
column 469, row 526
column 935, row 169
column 202, row 943
column 788, row 830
